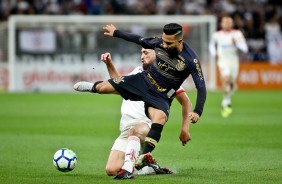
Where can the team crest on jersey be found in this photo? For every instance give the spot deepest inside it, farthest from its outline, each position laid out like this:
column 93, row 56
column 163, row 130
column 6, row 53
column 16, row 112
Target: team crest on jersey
column 180, row 65
column 118, row 80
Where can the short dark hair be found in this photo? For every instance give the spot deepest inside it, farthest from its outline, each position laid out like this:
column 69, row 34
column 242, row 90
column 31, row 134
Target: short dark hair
column 173, row 29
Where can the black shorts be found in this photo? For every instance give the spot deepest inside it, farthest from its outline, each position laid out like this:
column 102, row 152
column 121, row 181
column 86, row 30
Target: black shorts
column 138, row 88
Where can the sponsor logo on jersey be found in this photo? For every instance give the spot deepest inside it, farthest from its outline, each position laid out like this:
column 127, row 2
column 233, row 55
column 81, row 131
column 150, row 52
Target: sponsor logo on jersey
column 198, row 69
column 180, row 65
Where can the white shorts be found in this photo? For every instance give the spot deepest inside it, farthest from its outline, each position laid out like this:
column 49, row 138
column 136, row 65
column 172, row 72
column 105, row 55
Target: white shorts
column 120, row 143
column 228, row 68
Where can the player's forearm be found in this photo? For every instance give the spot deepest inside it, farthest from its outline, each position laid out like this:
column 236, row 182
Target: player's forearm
column 128, row 36
column 112, row 71
column 186, row 104
column 185, row 126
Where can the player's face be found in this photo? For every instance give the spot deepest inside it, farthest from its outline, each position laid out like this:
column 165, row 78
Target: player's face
column 148, row 57
column 171, row 44
column 226, row 23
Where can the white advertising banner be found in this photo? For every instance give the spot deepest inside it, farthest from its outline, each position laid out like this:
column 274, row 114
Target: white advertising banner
column 37, row 41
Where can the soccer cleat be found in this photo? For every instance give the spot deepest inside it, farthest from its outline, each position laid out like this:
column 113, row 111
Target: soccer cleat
column 147, row 160
column 167, row 171
column 123, row 174
column 139, row 164
column 157, row 168
column 226, row 111
column 83, row 86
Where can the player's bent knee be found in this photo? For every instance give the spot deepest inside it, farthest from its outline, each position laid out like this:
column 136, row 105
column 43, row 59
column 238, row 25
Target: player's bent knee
column 112, row 171
column 139, row 131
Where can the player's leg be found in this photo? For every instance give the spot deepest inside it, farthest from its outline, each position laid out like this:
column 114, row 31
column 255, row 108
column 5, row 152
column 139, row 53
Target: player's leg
column 226, row 101
column 234, row 76
column 225, row 75
column 101, row 87
column 131, row 153
column 117, row 155
column 226, row 79
column 115, row 162
column 141, row 130
column 158, row 118
column 137, row 132
column 151, row 140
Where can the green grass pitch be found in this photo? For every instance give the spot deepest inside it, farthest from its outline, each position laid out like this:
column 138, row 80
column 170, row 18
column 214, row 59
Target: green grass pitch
column 244, row 148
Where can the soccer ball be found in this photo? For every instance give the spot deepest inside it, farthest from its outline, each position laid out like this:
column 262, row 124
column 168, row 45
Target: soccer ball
column 65, row 160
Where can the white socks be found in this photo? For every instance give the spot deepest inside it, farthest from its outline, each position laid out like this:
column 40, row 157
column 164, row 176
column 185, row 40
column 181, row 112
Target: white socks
column 131, row 153
column 146, row 170
column 227, row 97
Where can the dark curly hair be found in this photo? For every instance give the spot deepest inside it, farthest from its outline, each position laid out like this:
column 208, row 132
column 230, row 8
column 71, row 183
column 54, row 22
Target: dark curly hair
column 173, row 29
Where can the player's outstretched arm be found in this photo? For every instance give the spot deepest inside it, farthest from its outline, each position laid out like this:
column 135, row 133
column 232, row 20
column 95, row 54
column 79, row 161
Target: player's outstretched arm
column 111, row 30
column 107, row 59
column 186, row 104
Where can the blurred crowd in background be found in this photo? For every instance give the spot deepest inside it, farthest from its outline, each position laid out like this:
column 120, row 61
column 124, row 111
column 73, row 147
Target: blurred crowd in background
column 259, row 20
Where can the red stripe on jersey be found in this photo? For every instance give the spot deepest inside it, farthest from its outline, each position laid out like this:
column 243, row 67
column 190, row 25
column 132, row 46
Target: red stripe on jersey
column 179, row 91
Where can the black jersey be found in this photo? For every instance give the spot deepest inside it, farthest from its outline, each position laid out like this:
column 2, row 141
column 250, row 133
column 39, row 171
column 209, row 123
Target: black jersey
column 168, row 72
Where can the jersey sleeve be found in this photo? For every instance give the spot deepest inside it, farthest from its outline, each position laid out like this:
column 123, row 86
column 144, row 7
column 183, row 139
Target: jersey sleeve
column 199, row 81
column 180, row 90
column 241, row 42
column 147, row 43
column 212, row 45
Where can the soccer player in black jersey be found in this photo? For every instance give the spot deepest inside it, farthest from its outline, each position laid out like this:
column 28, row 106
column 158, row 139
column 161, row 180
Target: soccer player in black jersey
column 156, row 86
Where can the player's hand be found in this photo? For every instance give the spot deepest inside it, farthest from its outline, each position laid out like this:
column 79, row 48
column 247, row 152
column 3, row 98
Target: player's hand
column 184, row 137
column 106, row 58
column 109, row 30
column 194, row 117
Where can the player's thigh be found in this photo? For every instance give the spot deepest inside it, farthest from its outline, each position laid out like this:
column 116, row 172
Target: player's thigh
column 115, row 162
column 106, row 88
column 140, row 130
column 234, row 72
column 157, row 115
column 224, row 71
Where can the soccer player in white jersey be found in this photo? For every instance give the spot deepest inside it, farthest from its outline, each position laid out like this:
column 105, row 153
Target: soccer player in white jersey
column 134, row 126
column 224, row 46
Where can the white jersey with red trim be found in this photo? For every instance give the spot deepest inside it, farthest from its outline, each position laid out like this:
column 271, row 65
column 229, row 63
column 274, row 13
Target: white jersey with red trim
column 226, row 44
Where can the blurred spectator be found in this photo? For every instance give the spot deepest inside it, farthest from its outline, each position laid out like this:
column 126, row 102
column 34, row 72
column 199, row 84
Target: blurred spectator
column 52, row 7
column 95, row 8
column 274, row 39
column 194, row 7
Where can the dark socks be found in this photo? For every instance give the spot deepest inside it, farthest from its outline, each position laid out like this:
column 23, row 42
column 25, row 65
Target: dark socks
column 152, row 138
column 93, row 90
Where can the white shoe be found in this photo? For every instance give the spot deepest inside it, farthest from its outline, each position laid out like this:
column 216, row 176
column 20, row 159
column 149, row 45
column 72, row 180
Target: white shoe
column 83, row 86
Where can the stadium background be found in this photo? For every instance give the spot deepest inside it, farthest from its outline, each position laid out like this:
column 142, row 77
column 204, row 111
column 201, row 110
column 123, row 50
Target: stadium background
column 260, row 21
column 243, row 148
